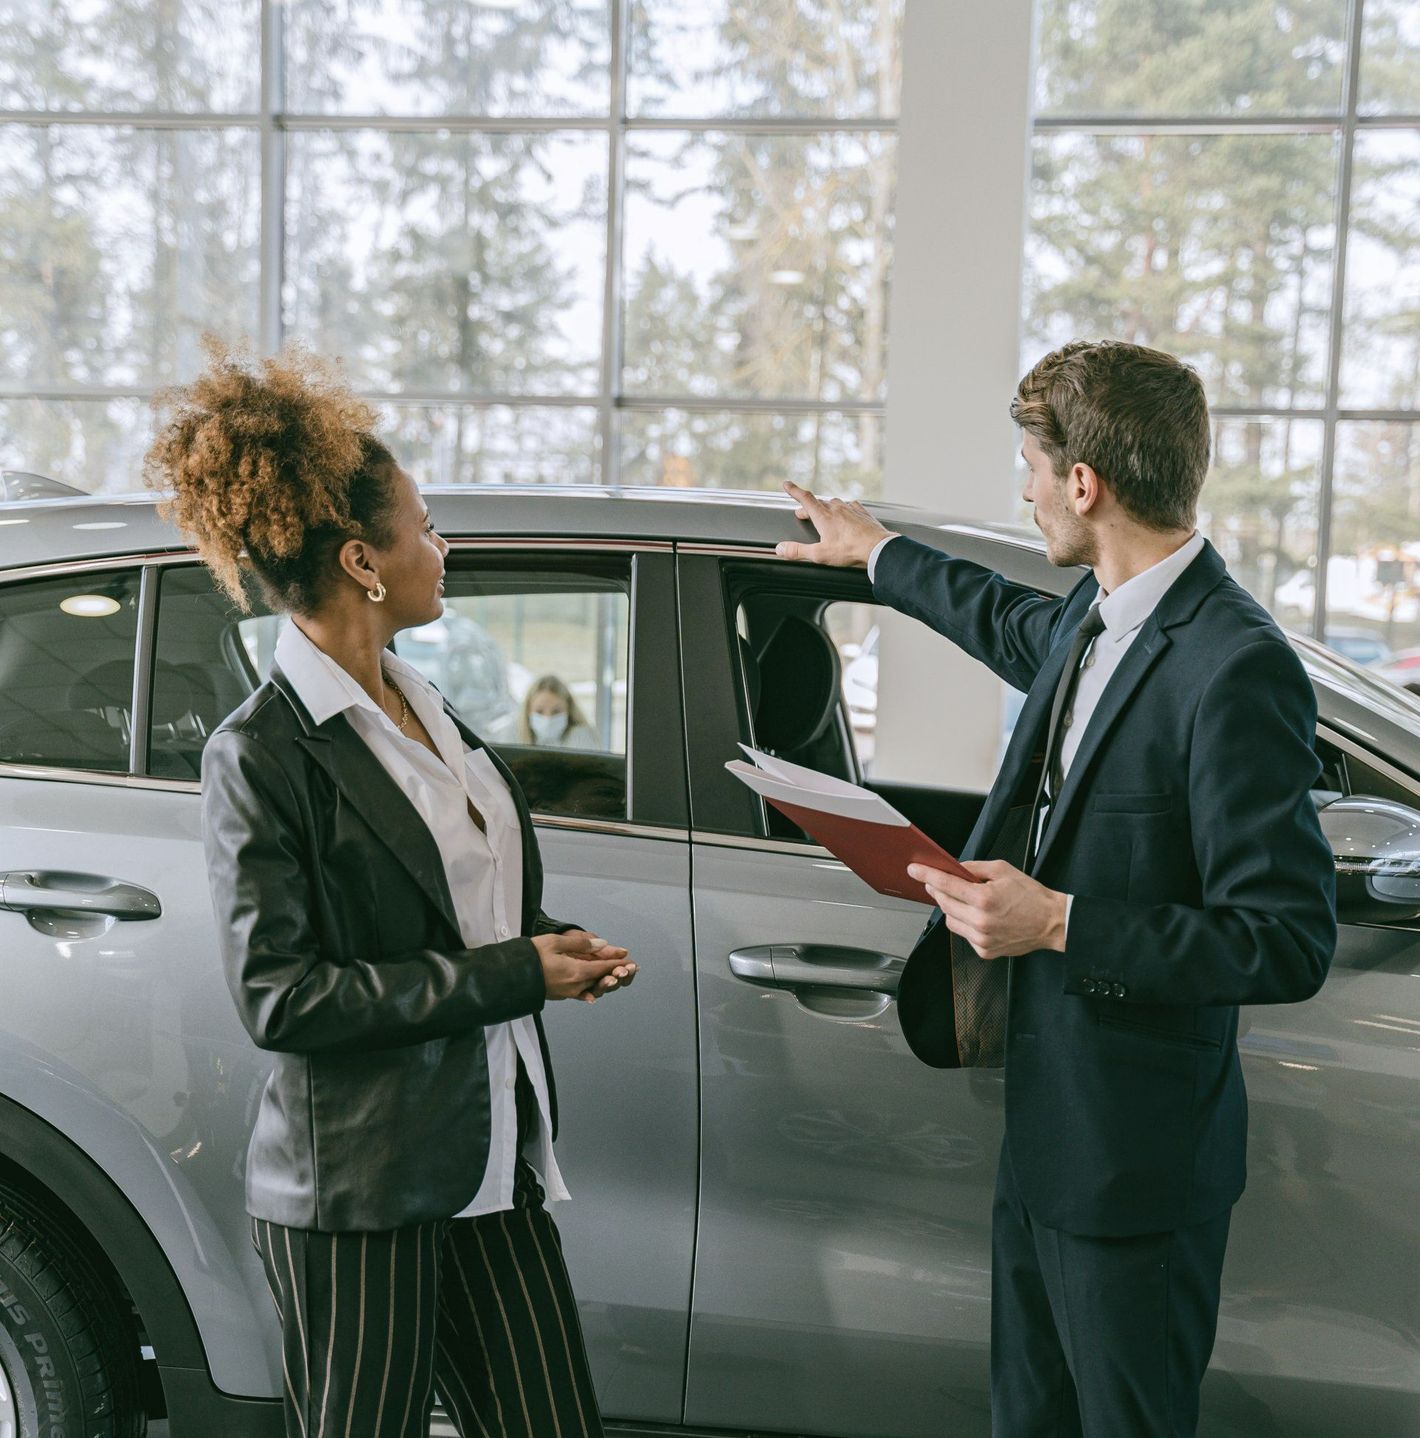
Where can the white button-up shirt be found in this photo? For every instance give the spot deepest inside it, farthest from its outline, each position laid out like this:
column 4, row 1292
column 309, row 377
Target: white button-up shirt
column 484, row 871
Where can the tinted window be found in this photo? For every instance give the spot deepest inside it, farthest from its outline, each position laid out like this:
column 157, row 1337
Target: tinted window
column 517, row 649
column 534, row 659
column 209, row 657
column 812, row 666
column 66, row 670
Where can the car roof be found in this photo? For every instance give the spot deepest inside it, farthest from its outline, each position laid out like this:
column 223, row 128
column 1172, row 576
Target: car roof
column 50, row 531
column 54, row 531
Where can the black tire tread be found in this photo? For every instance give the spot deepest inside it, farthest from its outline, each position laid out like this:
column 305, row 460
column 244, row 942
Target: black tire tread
column 83, row 1304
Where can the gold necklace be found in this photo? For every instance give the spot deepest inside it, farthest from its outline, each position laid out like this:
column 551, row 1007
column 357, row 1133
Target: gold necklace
column 403, row 703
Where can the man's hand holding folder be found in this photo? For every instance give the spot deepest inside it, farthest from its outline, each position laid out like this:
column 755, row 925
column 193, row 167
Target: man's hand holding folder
column 996, row 908
column 857, row 825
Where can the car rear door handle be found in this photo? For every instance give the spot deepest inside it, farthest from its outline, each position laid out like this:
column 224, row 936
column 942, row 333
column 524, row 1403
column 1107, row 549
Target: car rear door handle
column 38, row 890
column 818, row 966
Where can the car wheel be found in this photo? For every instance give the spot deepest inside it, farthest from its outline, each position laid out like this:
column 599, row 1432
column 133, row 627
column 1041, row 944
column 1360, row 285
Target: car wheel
column 68, row 1345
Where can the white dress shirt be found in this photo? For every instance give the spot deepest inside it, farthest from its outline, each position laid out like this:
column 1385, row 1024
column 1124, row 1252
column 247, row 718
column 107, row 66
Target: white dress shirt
column 1124, row 612
column 484, row 871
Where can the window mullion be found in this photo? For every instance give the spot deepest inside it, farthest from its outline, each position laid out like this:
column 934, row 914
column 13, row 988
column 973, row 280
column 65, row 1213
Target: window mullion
column 1332, row 403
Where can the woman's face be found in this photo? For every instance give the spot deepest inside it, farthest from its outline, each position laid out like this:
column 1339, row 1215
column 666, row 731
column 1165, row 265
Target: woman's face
column 412, row 567
column 546, row 702
column 547, row 716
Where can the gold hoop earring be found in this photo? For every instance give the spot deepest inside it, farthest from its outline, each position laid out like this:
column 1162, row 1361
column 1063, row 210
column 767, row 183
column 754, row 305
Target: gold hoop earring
column 377, row 594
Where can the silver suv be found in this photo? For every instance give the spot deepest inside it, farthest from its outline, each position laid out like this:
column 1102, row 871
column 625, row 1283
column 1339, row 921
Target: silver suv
column 781, row 1218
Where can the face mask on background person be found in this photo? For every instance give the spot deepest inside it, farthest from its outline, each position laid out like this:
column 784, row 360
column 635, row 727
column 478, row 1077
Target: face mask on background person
column 548, row 728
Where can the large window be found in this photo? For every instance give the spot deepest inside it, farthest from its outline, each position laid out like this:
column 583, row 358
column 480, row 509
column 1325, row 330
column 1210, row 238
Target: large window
column 618, row 241
column 1238, row 181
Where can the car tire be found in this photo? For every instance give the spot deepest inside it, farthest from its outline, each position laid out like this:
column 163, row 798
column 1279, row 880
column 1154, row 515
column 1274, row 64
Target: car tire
column 69, row 1361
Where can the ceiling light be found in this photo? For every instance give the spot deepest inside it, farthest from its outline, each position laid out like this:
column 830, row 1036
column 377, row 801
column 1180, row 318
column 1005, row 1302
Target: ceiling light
column 104, row 524
column 90, row 606
column 787, row 277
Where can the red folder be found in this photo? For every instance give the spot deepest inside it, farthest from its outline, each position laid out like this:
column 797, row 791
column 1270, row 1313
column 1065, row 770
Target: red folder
column 853, row 823
column 878, row 853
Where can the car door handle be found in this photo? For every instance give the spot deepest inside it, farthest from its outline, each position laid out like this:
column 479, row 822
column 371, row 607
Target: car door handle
column 38, row 890
column 818, row 966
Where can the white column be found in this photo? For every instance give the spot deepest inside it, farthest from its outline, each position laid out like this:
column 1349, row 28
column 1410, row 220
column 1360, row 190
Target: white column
column 953, row 348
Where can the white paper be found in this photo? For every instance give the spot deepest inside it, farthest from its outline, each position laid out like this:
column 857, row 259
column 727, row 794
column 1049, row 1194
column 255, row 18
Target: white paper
column 848, row 801
column 802, row 778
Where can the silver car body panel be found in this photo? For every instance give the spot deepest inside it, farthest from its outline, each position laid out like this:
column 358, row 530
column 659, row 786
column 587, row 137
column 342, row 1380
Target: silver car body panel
column 841, row 1191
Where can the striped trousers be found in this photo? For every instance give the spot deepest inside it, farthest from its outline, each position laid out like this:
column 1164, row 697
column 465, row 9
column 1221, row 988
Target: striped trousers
column 479, row 1308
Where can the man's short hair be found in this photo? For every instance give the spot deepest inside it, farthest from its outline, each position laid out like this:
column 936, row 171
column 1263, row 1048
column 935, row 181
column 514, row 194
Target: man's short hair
column 1138, row 417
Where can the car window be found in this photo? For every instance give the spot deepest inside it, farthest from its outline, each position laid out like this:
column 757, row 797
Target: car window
column 1343, row 775
column 812, row 668
column 534, row 659
column 207, row 658
column 971, row 710
column 66, row 670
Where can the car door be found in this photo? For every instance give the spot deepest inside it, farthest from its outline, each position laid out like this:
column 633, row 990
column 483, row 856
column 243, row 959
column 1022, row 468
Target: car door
column 611, row 818
column 116, row 1027
column 842, row 1277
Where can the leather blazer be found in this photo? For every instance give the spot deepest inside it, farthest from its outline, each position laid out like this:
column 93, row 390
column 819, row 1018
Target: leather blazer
column 343, row 953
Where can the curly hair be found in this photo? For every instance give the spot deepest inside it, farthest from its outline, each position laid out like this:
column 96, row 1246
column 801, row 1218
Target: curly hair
column 273, row 461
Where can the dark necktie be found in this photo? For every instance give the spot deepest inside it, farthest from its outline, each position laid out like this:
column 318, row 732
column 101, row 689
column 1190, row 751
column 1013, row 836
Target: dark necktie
column 1053, row 770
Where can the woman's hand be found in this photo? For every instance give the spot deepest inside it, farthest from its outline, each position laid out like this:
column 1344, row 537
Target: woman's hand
column 579, row 965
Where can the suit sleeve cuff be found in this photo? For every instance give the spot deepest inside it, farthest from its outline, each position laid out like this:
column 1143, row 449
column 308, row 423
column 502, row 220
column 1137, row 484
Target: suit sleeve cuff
column 1088, row 970
column 873, row 557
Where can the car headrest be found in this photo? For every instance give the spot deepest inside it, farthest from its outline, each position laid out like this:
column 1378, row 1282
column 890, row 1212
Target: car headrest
column 799, row 680
column 106, row 686
column 180, row 690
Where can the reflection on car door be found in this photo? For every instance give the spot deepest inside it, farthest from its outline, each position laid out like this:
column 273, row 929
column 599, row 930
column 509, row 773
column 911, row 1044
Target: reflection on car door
column 842, row 1272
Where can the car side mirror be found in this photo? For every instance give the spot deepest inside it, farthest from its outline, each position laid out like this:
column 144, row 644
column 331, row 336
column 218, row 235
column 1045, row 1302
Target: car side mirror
column 1376, row 843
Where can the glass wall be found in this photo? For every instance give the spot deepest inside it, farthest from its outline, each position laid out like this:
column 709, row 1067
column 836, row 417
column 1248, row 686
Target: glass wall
column 616, row 241
column 1238, row 181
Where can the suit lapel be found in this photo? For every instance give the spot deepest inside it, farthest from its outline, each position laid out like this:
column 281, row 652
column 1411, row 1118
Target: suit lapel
column 1028, row 737
column 364, row 783
column 1140, row 657
column 1027, row 740
column 1178, row 606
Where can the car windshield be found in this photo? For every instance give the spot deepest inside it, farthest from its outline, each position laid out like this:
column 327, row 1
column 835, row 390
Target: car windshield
column 1389, row 700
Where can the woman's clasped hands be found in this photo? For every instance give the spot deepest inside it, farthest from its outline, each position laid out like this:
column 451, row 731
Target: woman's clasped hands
column 579, row 965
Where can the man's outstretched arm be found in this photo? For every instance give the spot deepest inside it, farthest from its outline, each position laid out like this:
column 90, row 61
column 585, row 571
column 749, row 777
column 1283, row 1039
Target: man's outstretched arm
column 1009, row 627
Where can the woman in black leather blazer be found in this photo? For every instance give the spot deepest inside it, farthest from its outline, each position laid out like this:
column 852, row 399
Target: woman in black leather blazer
column 343, row 947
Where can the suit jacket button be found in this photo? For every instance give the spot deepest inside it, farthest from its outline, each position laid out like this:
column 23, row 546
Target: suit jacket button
column 1090, row 986
column 1118, row 991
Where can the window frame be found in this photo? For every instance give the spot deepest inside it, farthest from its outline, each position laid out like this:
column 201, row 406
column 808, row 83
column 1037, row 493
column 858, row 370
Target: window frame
column 657, row 792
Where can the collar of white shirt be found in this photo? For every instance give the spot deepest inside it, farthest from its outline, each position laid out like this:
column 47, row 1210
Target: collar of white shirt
column 326, row 689
column 1127, row 607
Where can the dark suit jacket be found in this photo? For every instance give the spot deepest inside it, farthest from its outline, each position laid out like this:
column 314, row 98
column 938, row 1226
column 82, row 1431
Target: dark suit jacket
column 343, row 953
column 1187, row 834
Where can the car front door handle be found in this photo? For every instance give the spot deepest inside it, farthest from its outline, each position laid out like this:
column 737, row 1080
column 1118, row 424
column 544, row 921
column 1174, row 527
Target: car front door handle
column 817, row 966
column 30, row 891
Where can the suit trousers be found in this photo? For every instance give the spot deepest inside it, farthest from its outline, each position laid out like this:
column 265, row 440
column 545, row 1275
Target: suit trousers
column 1098, row 1337
column 479, row 1308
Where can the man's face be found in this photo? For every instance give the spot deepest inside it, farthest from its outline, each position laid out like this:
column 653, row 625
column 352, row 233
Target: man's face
column 1069, row 538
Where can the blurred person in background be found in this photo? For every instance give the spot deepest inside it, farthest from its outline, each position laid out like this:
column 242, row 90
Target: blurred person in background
column 551, row 718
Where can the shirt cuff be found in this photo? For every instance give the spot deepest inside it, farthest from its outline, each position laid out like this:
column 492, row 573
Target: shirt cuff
column 873, row 557
column 1069, row 902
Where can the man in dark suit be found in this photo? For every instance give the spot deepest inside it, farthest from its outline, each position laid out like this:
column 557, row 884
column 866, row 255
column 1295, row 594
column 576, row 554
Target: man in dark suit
column 1167, row 866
